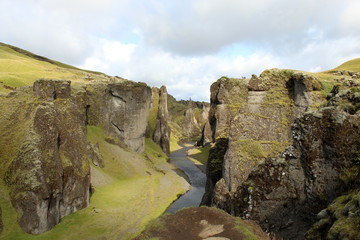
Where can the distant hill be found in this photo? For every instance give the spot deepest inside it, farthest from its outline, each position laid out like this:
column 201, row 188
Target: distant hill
column 19, row 67
column 352, row 65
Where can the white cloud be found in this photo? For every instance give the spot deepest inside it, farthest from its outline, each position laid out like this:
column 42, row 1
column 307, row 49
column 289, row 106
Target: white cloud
column 185, row 77
column 187, row 44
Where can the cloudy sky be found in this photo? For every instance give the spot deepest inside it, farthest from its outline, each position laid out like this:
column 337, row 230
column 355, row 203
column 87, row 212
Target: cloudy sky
column 188, row 44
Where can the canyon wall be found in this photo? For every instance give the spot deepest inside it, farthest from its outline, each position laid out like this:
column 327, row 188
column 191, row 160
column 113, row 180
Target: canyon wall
column 277, row 158
column 46, row 153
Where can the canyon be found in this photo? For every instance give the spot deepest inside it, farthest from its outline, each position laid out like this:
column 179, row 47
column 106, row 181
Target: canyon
column 93, row 155
column 284, row 150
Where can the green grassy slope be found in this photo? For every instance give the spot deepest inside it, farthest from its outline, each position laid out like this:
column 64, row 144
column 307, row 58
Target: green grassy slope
column 352, row 65
column 131, row 190
column 21, row 68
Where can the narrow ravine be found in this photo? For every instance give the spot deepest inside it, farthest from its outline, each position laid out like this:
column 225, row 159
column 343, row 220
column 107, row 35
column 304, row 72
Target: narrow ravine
column 197, row 181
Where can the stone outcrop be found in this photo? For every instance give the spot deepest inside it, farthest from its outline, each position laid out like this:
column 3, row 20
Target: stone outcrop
column 190, row 125
column 340, row 220
column 280, row 165
column 121, row 109
column 1, row 223
column 284, row 194
column 161, row 134
column 50, row 176
column 202, row 223
column 52, row 89
column 255, row 115
column 48, row 170
column 206, row 135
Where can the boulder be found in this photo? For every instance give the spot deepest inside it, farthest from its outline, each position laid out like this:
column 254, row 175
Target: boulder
column 202, row 223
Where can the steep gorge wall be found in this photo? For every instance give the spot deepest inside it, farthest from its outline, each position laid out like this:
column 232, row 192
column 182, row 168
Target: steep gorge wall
column 187, row 118
column 49, row 177
column 121, row 109
column 285, row 193
column 1, row 223
column 272, row 162
column 47, row 161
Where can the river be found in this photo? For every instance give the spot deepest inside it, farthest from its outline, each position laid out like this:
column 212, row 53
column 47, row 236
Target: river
column 197, row 180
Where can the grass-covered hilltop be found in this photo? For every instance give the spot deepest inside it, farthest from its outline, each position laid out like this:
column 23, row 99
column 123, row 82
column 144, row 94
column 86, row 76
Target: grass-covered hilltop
column 85, row 155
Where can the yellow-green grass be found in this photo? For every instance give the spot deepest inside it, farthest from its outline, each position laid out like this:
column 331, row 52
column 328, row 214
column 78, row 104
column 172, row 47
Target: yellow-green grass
column 135, row 194
column 352, row 65
column 200, row 154
column 18, row 69
column 117, row 211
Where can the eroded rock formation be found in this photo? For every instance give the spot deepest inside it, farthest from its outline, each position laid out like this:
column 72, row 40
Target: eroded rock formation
column 161, row 134
column 306, row 179
column 121, row 109
column 49, row 175
column 1, row 223
column 280, row 165
column 190, row 125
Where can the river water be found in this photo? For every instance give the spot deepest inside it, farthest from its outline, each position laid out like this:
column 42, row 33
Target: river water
column 197, row 181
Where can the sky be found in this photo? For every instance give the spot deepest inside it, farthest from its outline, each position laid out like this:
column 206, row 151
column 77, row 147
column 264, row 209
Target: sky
column 189, row 44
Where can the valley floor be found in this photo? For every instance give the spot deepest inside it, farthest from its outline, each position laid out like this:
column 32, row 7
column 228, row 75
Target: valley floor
column 117, row 211
column 130, row 191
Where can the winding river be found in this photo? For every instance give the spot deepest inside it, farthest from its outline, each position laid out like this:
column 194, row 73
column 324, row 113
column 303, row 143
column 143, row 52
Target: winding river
column 197, row 181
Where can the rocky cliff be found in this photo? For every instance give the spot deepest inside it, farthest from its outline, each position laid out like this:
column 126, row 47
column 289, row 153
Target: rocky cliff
column 187, row 118
column 1, row 223
column 121, row 109
column 161, row 133
column 49, row 176
column 47, row 156
column 275, row 158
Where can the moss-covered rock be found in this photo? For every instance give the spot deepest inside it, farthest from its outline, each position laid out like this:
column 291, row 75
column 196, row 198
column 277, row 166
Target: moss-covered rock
column 161, row 131
column 284, row 194
column 1, row 223
column 50, row 90
column 340, row 220
column 214, row 168
column 202, row 223
column 122, row 110
column 50, row 176
column 282, row 163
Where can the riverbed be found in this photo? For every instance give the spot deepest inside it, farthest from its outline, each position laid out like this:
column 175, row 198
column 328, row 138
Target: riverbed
column 197, row 180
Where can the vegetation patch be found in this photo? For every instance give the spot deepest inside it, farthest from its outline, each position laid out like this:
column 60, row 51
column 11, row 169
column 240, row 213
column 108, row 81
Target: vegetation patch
column 201, row 154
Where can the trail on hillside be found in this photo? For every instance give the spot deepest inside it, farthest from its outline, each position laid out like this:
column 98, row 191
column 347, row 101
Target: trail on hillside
column 197, row 180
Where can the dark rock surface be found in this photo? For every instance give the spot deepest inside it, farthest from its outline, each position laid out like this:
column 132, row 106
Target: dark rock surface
column 50, row 176
column 1, row 223
column 47, row 167
column 121, row 109
column 285, row 194
column 281, row 165
column 161, row 134
column 190, row 125
column 52, row 89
